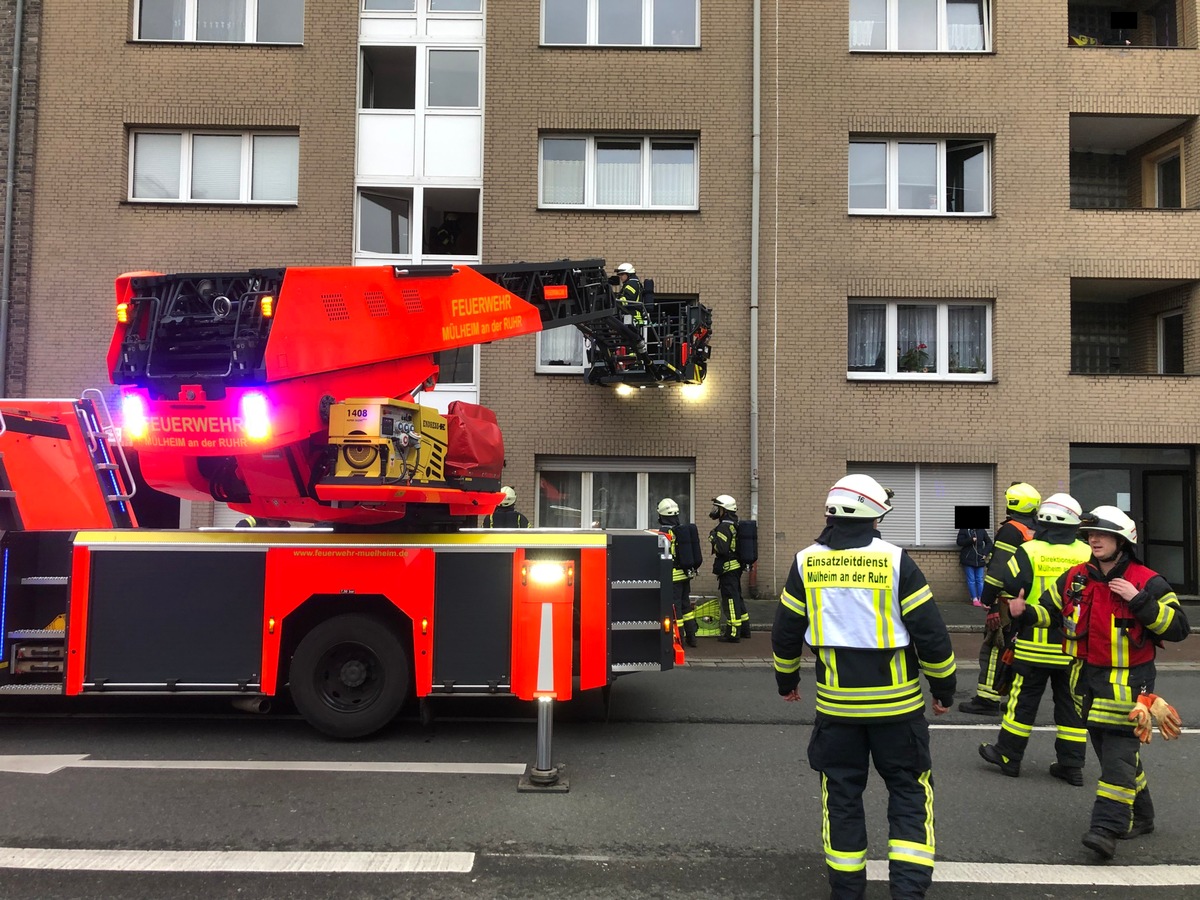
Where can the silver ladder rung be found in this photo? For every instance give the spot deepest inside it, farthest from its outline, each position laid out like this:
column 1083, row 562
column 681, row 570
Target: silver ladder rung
column 45, row 579
column 636, row 667
column 627, row 585
column 37, row 634
column 31, row 688
column 636, row 626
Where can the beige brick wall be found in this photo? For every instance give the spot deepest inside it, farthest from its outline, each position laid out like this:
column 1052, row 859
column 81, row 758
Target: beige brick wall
column 813, row 255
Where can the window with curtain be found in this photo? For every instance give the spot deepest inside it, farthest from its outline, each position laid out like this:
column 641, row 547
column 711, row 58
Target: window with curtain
column 920, row 26
column 622, row 23
column 915, row 176
column 560, row 350
column 204, row 167
column 948, row 340
column 623, row 172
column 925, row 496
column 611, row 492
column 223, row 21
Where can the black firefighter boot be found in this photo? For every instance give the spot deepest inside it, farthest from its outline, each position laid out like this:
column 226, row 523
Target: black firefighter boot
column 728, row 634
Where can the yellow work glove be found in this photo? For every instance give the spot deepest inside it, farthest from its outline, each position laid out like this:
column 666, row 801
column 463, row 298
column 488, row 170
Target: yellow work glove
column 1140, row 717
column 1169, row 723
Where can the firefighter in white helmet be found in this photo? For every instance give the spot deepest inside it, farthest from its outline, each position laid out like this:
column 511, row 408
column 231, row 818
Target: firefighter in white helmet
column 1021, row 502
column 866, row 610
column 685, row 559
column 1114, row 613
column 506, row 515
column 1038, row 654
column 629, row 293
column 735, row 621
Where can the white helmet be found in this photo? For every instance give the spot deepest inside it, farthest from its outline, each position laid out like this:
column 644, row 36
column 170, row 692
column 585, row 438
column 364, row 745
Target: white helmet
column 725, row 502
column 1110, row 519
column 858, row 497
column 668, row 507
column 1060, row 509
column 510, row 496
column 625, row 269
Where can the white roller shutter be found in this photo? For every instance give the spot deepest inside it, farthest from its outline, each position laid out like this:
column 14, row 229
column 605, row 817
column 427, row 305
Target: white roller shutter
column 943, row 487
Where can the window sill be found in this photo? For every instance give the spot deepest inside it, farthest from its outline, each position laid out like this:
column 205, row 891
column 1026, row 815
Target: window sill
column 214, row 204
column 920, row 378
column 182, row 43
column 544, row 46
column 919, row 214
column 653, row 210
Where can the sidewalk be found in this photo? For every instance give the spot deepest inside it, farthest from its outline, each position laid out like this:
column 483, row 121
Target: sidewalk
column 965, row 623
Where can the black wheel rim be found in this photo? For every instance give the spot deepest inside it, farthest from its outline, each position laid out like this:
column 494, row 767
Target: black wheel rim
column 349, row 677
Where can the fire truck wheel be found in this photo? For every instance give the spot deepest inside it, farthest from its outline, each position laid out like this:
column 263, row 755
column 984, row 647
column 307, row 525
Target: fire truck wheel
column 349, row 676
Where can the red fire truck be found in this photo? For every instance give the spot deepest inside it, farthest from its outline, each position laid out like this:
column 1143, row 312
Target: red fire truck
column 289, row 395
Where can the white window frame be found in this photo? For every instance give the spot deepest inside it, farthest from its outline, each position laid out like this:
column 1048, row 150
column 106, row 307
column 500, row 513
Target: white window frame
column 943, row 32
column 1161, row 327
column 593, row 28
column 642, row 467
column 941, row 361
column 189, row 27
column 543, row 368
column 245, row 179
column 893, row 177
column 421, row 11
column 589, row 171
column 925, row 497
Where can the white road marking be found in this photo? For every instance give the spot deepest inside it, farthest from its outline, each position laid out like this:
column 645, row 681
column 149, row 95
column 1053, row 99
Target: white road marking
column 48, row 764
column 232, row 861
column 1017, row 873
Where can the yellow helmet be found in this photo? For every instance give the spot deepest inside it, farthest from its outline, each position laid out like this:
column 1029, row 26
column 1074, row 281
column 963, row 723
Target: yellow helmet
column 1022, row 497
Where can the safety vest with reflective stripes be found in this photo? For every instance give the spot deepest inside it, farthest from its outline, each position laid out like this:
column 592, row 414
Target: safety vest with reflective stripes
column 866, row 665
column 1040, row 644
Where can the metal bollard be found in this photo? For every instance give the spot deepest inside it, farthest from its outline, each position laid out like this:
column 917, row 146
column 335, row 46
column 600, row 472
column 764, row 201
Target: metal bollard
column 543, row 775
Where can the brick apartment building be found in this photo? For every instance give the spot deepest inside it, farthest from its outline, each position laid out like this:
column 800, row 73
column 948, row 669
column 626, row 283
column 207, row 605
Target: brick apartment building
column 947, row 242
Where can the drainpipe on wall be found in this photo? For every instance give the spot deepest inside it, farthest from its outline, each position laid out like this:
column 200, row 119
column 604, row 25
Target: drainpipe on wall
column 755, row 187
column 10, row 192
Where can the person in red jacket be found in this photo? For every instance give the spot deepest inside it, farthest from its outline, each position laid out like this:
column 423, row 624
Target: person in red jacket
column 1114, row 613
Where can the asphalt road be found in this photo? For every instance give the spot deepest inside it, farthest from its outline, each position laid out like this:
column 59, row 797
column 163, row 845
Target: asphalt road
column 695, row 785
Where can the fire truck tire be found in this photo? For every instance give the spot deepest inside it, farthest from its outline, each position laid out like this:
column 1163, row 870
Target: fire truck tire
column 350, row 676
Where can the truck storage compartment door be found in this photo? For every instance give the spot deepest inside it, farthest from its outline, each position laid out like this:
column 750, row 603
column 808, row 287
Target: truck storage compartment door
column 174, row 619
column 472, row 621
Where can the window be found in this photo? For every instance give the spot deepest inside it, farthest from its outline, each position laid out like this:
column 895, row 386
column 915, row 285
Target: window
column 560, row 351
column 1162, row 177
column 610, row 492
column 456, row 366
column 383, row 221
column 920, row 177
column 1170, row 343
column 622, row 23
column 925, row 496
column 225, row 21
column 920, row 26
column 947, row 340
column 629, row 172
column 214, row 167
column 453, row 78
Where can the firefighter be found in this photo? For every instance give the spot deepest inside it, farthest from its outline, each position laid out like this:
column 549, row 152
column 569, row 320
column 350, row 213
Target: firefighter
column 681, row 575
column 1114, row 613
column 1022, row 501
column 1038, row 655
column 867, row 612
column 506, row 515
column 629, row 293
column 735, row 621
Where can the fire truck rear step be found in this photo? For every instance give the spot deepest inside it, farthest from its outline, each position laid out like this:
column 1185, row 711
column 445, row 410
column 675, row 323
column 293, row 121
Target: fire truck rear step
column 31, row 688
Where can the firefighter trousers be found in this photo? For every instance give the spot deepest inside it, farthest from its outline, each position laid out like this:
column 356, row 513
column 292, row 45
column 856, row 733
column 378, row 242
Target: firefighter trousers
column 991, row 668
column 685, row 609
column 1024, row 698
column 1122, row 794
column 842, row 752
column 733, row 607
